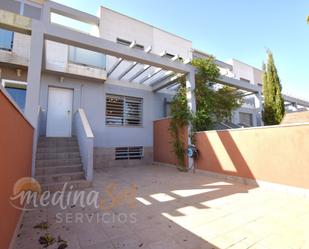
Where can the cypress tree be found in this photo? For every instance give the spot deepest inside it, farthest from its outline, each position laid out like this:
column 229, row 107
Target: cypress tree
column 273, row 102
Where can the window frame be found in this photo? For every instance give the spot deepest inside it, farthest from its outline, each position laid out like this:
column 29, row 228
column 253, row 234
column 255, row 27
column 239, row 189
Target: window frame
column 124, row 118
column 72, row 58
column 127, row 43
column 12, row 41
column 22, row 85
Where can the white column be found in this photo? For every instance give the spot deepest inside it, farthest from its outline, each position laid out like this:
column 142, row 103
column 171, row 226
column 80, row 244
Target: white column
column 190, row 85
column 34, row 72
column 259, row 106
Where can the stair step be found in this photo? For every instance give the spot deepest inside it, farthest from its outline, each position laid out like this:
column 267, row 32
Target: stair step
column 58, row 138
column 57, row 162
column 50, row 170
column 78, row 184
column 57, row 155
column 65, row 177
column 57, row 149
column 52, row 144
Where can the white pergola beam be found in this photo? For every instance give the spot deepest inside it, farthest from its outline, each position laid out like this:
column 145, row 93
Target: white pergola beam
column 125, row 72
column 113, row 68
column 239, row 84
column 158, row 70
column 163, row 83
column 138, row 73
column 157, row 81
column 133, row 64
column 64, row 35
column 298, row 101
column 149, row 76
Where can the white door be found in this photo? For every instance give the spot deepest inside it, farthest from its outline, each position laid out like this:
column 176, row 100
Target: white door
column 59, row 112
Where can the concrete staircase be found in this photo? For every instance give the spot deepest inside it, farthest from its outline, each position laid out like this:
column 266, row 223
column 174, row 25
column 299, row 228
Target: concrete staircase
column 58, row 161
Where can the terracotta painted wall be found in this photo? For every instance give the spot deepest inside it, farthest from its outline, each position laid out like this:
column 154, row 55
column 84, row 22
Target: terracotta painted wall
column 278, row 154
column 162, row 142
column 16, row 136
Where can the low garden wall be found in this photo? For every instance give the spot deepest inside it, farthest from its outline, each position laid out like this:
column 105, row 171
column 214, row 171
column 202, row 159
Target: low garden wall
column 277, row 154
column 16, row 136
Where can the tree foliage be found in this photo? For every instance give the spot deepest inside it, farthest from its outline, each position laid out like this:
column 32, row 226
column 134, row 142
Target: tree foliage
column 211, row 105
column 273, row 102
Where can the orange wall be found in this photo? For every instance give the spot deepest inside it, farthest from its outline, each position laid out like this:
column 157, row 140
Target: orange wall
column 15, row 161
column 278, row 154
column 162, row 142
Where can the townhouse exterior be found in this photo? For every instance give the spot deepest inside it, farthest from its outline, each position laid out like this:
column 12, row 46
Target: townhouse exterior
column 108, row 100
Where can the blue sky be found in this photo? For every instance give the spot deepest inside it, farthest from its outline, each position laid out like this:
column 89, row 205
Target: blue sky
column 239, row 29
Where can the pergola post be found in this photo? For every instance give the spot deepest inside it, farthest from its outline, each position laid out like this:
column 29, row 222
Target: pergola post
column 190, row 86
column 34, row 72
column 258, row 106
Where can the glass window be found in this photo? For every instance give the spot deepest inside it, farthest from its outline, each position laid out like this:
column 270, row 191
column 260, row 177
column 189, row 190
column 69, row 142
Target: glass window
column 6, row 39
column 86, row 57
column 123, row 110
column 17, row 90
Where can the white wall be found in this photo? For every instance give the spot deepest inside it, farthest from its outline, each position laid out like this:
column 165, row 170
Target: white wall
column 114, row 25
column 91, row 97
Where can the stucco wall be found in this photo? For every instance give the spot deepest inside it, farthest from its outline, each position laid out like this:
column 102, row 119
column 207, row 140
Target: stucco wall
column 278, row 154
column 15, row 160
column 91, row 97
column 162, row 142
column 115, row 25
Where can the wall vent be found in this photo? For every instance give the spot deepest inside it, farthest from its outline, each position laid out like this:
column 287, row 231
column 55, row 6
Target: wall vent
column 125, row 153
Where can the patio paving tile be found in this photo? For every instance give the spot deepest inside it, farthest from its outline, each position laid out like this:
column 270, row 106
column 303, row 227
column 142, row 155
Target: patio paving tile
column 174, row 210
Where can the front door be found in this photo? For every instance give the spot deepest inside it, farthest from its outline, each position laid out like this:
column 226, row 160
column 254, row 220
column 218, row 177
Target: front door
column 59, row 112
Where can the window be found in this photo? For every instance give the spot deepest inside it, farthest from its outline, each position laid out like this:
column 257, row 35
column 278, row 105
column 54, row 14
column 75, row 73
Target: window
column 245, row 119
column 128, row 43
column 171, row 56
column 6, row 39
column 243, row 79
column 86, row 57
column 125, row 153
column 138, row 46
column 17, row 90
column 123, row 42
column 123, row 110
column 168, row 55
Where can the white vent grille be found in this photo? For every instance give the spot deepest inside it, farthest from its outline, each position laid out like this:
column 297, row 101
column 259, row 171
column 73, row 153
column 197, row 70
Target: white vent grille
column 123, row 110
column 125, row 153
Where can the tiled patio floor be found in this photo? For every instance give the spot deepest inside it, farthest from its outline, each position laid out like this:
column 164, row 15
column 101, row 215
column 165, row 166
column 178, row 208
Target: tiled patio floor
column 174, row 210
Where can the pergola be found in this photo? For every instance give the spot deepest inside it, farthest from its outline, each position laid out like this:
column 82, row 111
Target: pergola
column 129, row 64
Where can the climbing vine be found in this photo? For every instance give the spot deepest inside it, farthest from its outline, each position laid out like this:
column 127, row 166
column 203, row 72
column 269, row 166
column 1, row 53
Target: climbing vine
column 180, row 118
column 212, row 105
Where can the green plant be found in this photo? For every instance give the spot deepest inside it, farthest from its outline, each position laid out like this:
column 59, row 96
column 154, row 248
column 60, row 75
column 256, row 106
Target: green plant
column 274, row 110
column 211, row 105
column 46, row 240
column 180, row 117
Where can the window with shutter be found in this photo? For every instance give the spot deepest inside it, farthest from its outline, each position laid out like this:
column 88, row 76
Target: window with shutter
column 123, row 110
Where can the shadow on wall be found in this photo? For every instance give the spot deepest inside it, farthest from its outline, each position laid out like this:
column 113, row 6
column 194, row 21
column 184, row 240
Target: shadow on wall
column 277, row 154
column 219, row 153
